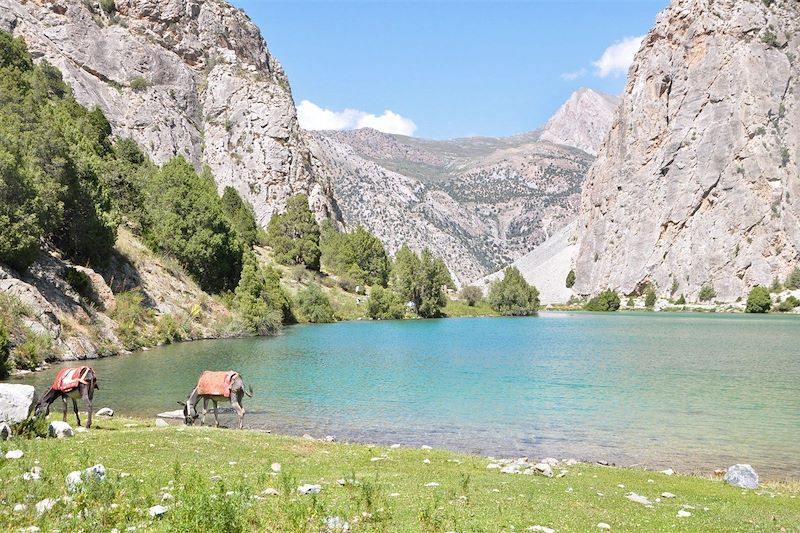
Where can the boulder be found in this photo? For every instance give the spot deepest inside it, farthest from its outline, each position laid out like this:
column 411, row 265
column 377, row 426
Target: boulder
column 544, row 469
column 743, row 476
column 14, row 454
column 16, row 402
column 59, row 430
column 638, row 498
column 74, row 479
column 5, row 431
column 156, row 511
column 309, row 489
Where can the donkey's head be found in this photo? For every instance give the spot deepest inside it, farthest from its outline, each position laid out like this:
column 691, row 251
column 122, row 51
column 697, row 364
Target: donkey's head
column 189, row 413
column 43, row 405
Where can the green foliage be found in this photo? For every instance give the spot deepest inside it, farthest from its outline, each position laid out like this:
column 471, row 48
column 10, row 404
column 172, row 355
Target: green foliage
column 631, row 302
column 793, row 279
column 471, row 294
column 261, row 303
column 758, row 300
column 681, row 300
column 132, row 319
column 32, row 351
column 513, row 296
column 79, row 281
column 358, row 255
column 240, row 216
column 769, row 37
column 294, row 235
column 126, row 174
column 607, row 300
column 189, row 225
column 674, row 288
column 314, row 306
column 650, row 297
column 384, row 304
column 776, row 286
column 108, row 6
column 788, row 304
column 5, row 349
column 421, row 279
column 139, row 84
column 570, row 279
column 30, row 428
column 707, row 292
column 168, row 330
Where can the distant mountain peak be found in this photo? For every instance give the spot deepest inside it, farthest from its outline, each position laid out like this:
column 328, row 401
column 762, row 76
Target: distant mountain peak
column 583, row 121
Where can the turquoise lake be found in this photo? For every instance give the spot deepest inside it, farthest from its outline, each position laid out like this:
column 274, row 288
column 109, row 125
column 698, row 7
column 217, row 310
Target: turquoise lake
column 693, row 392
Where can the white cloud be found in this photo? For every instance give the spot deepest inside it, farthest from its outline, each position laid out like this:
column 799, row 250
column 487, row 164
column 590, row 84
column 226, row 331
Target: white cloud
column 574, row 75
column 618, row 57
column 313, row 117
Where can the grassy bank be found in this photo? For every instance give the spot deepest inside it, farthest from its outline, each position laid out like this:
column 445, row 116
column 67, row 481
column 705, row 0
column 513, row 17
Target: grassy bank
column 144, row 463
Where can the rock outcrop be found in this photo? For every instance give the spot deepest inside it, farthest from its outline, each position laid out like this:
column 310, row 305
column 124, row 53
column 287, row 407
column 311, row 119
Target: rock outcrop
column 583, row 121
column 479, row 203
column 697, row 182
column 181, row 77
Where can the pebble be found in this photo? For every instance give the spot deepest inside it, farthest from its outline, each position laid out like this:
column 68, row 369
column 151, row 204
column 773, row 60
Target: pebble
column 269, row 491
column 167, row 496
column 308, row 437
column 379, row 458
column 668, row 472
column 603, row 525
column 276, row 467
column 34, row 475
column 59, row 430
column 215, row 479
column 98, row 472
column 18, row 508
column 651, row 480
column 542, row 529
column 638, row 498
column 156, row 511
column 335, row 523
column 544, row 469
column 621, row 486
column 45, row 505
column 684, row 514
column 309, row 489
column 426, row 461
column 394, row 494
column 667, row 495
column 394, row 446
column 425, row 447
column 330, row 438
column 432, row 484
column 105, row 411
column 14, row 454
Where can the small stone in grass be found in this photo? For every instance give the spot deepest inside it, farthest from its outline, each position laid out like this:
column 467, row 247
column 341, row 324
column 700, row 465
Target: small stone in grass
column 621, row 486
column 269, row 491
column 425, row 447
column 216, row 479
column 667, row 495
column 379, row 458
column 276, row 467
column 161, row 423
column 684, row 514
column 309, row 489
column 492, row 466
column 394, row 494
column 45, row 505
column 432, row 484
column 426, row 461
column 603, row 525
column 96, row 472
column 668, row 472
column 14, row 454
column 18, row 508
column 336, row 523
column 59, row 430
column 105, row 411
column 34, row 475
column 394, row 446
column 542, row 529
column 156, row 511
column 638, row 498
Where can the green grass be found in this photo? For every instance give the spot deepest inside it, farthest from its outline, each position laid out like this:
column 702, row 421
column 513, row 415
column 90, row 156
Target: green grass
column 143, row 462
column 459, row 308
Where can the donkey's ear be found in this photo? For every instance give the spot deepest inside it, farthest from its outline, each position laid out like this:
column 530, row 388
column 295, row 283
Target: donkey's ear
column 182, row 403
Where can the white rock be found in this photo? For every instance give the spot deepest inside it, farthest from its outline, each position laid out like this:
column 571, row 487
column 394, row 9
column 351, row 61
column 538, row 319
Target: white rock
column 269, row 491
column 74, row 479
column 33, row 529
column 105, row 411
column 380, row 458
column 513, row 468
column 542, row 529
column 16, row 402
column 550, row 461
column 432, row 484
column 161, row 423
column 59, row 430
column 45, row 505
column 544, row 469
column 684, row 514
column 426, row 461
column 638, row 498
column 19, row 507
column 394, row 446
column 743, row 476
column 14, row 454
column 177, row 413
column 668, row 472
column 335, row 523
column 667, row 495
column 603, row 525
column 156, row 511
column 167, row 496
column 621, row 486
column 425, row 447
column 330, row 438
column 215, row 479
column 309, row 489
column 394, row 494
column 492, row 466
column 34, row 474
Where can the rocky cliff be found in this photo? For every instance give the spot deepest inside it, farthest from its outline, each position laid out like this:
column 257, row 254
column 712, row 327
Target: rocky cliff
column 480, row 203
column 698, row 180
column 188, row 77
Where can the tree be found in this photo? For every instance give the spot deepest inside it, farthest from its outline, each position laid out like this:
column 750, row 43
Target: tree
column 189, row 225
column 421, row 279
column 513, row 296
column 681, row 300
column 384, row 304
column 570, row 279
column 261, row 305
column 314, row 305
column 471, row 294
column 240, row 217
column 793, row 279
column 758, row 301
column 707, row 292
column 405, row 273
column 776, row 286
column 650, row 297
column 358, row 255
column 607, row 300
column 294, row 234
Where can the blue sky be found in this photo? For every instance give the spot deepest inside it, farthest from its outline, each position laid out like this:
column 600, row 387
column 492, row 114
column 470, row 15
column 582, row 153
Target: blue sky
column 446, row 69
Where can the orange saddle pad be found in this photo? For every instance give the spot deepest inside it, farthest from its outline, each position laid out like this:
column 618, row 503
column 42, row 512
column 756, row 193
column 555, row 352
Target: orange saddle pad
column 69, row 378
column 216, row 383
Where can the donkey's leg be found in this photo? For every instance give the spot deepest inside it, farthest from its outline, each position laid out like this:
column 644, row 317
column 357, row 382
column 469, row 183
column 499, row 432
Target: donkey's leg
column 75, row 408
column 216, row 418
column 87, row 398
column 64, row 399
column 236, row 402
column 205, row 410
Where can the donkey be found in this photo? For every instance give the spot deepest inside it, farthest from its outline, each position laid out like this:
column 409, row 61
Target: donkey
column 72, row 383
column 216, row 386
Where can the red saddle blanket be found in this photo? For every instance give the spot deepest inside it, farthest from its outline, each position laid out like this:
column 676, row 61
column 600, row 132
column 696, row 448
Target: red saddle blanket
column 216, row 383
column 69, row 378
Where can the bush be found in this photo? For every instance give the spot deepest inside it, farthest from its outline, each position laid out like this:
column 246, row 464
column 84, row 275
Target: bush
column 34, row 350
column 513, row 296
column 168, row 330
column 139, row 84
column 793, row 279
column 108, row 6
column 384, row 304
column 314, row 305
column 681, row 300
column 758, row 301
column 608, row 300
column 421, row 279
column 260, row 302
column 788, row 304
column 471, row 294
column 5, row 350
column 631, row 302
column 31, row 428
column 570, row 279
column 707, row 292
column 132, row 319
column 79, row 281
column 776, row 286
column 650, row 297
column 294, row 234
column 359, row 255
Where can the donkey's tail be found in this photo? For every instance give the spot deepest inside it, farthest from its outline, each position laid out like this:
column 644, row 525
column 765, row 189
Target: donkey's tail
column 250, row 391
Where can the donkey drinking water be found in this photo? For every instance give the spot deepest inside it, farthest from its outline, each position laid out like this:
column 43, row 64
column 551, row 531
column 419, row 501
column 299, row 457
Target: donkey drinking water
column 216, row 386
column 72, row 383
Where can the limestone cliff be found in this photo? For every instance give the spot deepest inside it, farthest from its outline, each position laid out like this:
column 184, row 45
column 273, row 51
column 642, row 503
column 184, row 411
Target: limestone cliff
column 583, row 121
column 698, row 179
column 181, row 77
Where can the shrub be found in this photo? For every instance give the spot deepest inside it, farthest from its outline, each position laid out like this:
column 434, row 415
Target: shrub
column 298, row 273
column 681, row 300
column 650, row 297
column 608, row 300
column 384, row 304
column 631, row 302
column 570, row 279
column 758, row 300
column 707, row 292
column 674, row 288
column 471, row 294
column 793, row 279
column 31, row 428
column 108, row 6
column 79, row 281
column 260, row 301
column 314, row 305
column 132, row 319
column 168, row 330
column 5, row 350
column 788, row 304
column 513, row 296
column 31, row 352
column 139, row 84
column 294, row 234
column 776, row 286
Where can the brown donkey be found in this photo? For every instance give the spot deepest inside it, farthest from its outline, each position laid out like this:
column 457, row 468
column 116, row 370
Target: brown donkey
column 72, row 383
column 216, row 386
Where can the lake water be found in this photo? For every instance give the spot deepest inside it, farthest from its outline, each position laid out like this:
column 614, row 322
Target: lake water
column 694, row 392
